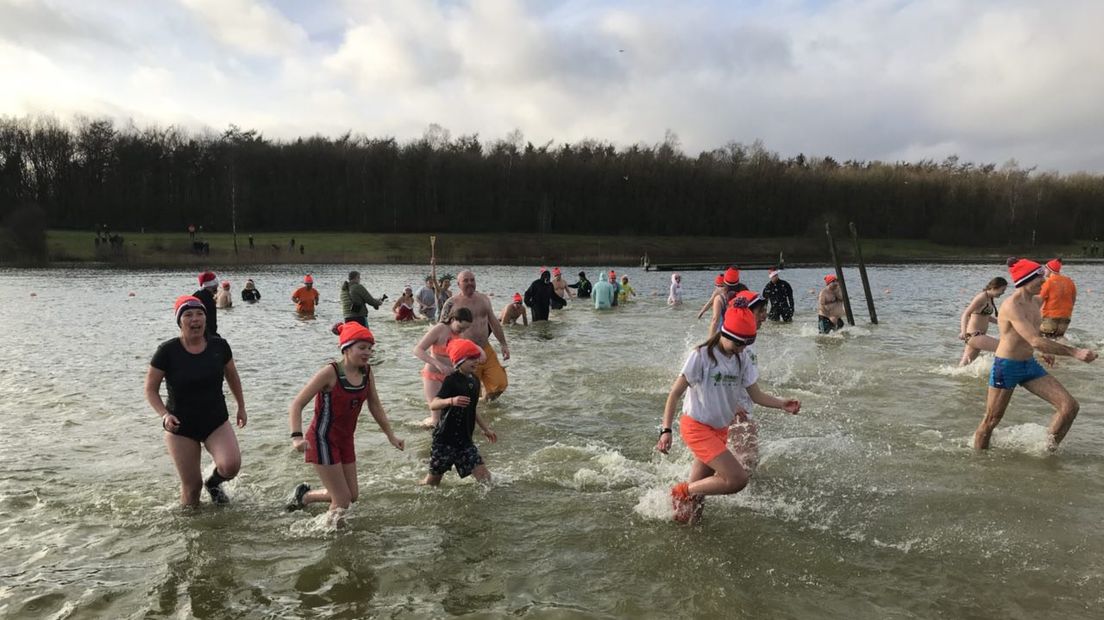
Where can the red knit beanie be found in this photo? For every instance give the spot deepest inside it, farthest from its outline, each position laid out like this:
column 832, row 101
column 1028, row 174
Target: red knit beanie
column 187, row 302
column 307, row 279
column 1023, row 271
column 1054, row 265
column 830, row 278
column 461, row 350
column 751, row 298
column 517, row 298
column 731, row 276
column 719, row 280
column 351, row 333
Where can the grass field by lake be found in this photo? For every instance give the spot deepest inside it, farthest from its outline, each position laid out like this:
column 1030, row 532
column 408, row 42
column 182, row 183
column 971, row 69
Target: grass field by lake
column 339, row 248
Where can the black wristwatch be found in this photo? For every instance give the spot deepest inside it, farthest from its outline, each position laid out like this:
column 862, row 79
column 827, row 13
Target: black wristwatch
column 296, row 434
column 664, row 430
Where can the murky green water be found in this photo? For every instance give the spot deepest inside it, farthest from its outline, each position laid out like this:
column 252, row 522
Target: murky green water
column 870, row 504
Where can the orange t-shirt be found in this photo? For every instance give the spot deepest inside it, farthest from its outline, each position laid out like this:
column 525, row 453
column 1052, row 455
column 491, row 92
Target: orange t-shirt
column 1058, row 294
column 305, row 299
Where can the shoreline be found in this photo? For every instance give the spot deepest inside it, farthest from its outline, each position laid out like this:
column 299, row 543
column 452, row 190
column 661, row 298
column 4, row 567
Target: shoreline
column 77, row 249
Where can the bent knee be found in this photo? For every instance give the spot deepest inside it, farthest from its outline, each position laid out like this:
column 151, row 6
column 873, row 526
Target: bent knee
column 737, row 482
column 229, row 467
column 1070, row 407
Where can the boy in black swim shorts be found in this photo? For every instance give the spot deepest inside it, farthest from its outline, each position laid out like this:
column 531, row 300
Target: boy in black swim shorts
column 452, row 437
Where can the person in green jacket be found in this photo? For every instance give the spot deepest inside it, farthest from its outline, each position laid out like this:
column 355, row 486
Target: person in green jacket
column 355, row 300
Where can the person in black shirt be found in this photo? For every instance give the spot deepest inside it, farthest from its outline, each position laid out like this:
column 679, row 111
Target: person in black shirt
column 583, row 286
column 250, row 293
column 206, row 294
column 193, row 367
column 780, row 295
column 541, row 295
column 452, row 437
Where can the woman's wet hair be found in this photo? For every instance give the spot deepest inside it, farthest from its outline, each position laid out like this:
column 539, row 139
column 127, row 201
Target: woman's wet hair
column 458, row 314
column 996, row 283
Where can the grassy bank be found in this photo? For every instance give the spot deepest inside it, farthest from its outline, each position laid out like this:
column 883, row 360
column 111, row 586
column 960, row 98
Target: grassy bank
column 141, row 249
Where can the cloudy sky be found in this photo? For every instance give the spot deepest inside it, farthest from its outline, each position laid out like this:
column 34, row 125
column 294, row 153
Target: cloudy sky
column 988, row 80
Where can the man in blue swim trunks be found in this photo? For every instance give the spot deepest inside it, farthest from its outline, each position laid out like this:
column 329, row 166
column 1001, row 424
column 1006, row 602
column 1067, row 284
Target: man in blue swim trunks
column 1014, row 362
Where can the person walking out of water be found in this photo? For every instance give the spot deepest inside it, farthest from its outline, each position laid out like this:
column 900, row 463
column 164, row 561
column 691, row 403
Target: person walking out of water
column 514, row 311
column 223, row 299
column 1014, row 362
column 540, row 296
column 250, row 294
column 457, row 401
column 563, row 290
column 427, row 298
column 305, row 297
column 583, row 286
column 484, row 322
column 404, row 307
column 718, row 291
column 974, row 324
column 1059, row 293
column 627, row 291
column 717, row 379
column 432, row 349
column 732, row 286
column 339, row 390
column 194, row 366
column 208, row 282
column 674, row 294
column 830, row 306
column 604, row 295
column 780, row 294
column 355, row 300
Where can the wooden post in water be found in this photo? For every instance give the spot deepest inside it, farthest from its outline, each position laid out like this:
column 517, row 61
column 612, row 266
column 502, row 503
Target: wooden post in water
column 862, row 274
column 839, row 274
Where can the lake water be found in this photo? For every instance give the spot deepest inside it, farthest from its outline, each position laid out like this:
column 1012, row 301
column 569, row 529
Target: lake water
column 869, row 504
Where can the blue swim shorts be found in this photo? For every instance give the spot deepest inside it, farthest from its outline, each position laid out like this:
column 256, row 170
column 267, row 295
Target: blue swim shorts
column 1007, row 374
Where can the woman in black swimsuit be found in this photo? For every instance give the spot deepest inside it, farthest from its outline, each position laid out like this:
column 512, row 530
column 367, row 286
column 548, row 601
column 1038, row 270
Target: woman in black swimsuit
column 193, row 366
column 974, row 325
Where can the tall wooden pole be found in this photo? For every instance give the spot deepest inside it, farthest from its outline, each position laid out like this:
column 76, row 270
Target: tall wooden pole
column 839, row 274
column 862, row 274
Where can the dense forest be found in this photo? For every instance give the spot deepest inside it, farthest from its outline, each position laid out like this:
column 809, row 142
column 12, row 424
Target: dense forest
column 90, row 173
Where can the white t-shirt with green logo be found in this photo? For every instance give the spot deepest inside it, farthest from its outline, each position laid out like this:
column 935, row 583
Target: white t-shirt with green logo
column 718, row 389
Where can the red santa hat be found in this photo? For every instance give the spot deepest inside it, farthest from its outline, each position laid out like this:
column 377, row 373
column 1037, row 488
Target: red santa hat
column 1023, row 271
column 461, row 350
column 208, row 279
column 830, row 278
column 719, row 280
column 307, row 279
column 1054, row 265
column 739, row 323
column 351, row 333
column 517, row 298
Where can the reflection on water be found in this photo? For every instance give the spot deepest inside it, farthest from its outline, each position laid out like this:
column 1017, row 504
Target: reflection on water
column 868, row 504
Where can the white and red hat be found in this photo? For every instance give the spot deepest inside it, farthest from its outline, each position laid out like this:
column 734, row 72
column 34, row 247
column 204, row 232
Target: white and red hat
column 351, row 333
column 185, row 303
column 771, row 273
column 731, row 276
column 1054, row 265
column 739, row 323
column 208, row 279
column 1023, row 271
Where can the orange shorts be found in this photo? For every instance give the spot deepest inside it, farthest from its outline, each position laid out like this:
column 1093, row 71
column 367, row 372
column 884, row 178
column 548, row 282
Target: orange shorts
column 706, row 442
column 491, row 373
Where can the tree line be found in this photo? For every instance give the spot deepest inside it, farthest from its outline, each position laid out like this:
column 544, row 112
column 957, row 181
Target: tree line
column 91, row 173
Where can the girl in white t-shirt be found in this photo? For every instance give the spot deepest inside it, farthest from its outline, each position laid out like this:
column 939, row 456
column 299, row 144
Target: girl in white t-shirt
column 720, row 382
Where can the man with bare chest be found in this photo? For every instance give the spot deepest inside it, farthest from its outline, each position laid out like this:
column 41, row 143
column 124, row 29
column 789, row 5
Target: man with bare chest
column 484, row 322
column 830, row 306
column 1014, row 362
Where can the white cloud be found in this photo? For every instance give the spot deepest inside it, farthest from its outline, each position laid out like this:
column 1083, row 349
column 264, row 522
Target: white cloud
column 861, row 79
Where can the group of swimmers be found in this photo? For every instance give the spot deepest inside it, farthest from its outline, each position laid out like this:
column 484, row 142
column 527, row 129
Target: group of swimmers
column 718, row 383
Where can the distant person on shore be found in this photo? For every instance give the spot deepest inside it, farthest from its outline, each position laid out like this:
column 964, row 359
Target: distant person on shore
column 355, row 300
column 718, row 290
column 674, row 293
column 432, row 349
column 539, row 296
column 194, row 366
column 306, row 297
column 1014, row 361
column 457, row 401
column 484, row 322
column 291, row 245
column 1059, row 293
column 514, row 311
column 604, row 294
column 830, row 308
column 339, row 391
column 563, row 290
column 616, row 287
column 223, row 299
column 208, row 283
column 974, row 324
column 427, row 299
column 627, row 291
column 732, row 286
column 582, row 286
column 404, row 306
column 250, row 242
column 719, row 381
column 780, row 294
column 250, row 294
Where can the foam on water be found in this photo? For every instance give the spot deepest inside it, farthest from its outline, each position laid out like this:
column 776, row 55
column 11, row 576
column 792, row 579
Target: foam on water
column 977, row 369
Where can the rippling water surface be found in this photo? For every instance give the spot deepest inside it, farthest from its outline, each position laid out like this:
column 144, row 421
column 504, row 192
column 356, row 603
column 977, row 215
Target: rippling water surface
column 869, row 504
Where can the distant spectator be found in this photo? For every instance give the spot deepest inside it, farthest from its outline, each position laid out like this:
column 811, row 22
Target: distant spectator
column 250, row 294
